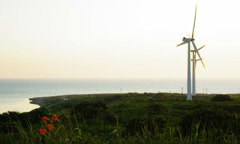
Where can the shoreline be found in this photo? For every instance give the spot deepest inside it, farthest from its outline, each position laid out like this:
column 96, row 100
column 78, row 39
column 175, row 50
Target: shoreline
column 40, row 101
column 37, row 101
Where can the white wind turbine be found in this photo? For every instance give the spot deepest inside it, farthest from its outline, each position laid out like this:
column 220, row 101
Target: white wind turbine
column 195, row 51
column 194, row 61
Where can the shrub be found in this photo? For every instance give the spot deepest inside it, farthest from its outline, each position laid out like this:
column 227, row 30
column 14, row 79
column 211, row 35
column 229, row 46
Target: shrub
column 208, row 118
column 140, row 124
column 222, row 98
column 155, row 108
column 89, row 109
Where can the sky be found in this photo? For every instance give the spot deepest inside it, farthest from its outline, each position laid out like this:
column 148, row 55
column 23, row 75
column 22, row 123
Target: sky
column 113, row 39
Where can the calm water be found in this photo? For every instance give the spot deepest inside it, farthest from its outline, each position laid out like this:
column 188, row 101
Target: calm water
column 14, row 94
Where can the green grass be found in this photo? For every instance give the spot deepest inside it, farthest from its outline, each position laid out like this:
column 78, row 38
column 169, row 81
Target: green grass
column 152, row 118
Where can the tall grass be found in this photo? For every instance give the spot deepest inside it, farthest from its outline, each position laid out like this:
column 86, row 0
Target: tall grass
column 132, row 120
column 69, row 130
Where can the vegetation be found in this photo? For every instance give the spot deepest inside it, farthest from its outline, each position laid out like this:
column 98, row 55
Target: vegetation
column 222, row 98
column 151, row 118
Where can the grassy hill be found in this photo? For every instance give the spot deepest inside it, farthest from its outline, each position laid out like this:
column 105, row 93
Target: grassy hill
column 126, row 118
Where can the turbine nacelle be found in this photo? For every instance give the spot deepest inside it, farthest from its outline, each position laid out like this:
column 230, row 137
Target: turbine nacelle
column 185, row 40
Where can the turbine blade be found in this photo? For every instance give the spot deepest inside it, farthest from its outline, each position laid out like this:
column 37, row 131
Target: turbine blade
column 194, row 22
column 203, row 64
column 198, row 53
column 181, row 44
column 201, row 47
column 201, row 59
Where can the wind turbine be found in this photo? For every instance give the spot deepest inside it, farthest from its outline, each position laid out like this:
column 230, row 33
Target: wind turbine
column 194, row 61
column 195, row 51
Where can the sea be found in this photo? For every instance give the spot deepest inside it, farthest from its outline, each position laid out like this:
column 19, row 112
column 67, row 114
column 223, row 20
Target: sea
column 15, row 93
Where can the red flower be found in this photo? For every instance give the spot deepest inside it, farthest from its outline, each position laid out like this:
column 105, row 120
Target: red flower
column 50, row 127
column 42, row 131
column 55, row 117
column 45, row 119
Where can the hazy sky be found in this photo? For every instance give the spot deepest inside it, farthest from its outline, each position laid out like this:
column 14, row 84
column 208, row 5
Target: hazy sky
column 117, row 39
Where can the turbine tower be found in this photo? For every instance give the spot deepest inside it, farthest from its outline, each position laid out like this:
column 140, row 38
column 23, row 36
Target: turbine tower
column 194, row 61
column 195, row 51
column 188, row 40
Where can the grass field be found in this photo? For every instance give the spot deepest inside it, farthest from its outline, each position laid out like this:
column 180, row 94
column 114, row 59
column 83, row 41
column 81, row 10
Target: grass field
column 151, row 118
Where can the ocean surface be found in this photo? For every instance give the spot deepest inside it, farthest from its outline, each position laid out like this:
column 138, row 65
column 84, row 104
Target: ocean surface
column 14, row 94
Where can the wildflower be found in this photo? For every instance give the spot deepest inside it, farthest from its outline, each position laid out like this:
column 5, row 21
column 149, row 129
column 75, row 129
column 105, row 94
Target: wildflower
column 50, row 127
column 45, row 119
column 55, row 117
column 42, row 131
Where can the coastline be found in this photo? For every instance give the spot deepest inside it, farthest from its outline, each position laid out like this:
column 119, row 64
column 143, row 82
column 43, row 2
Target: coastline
column 41, row 101
column 38, row 101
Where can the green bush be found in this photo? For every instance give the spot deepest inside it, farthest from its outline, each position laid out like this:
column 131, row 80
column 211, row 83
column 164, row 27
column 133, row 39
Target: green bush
column 89, row 109
column 222, row 98
column 140, row 124
column 210, row 118
column 155, row 108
